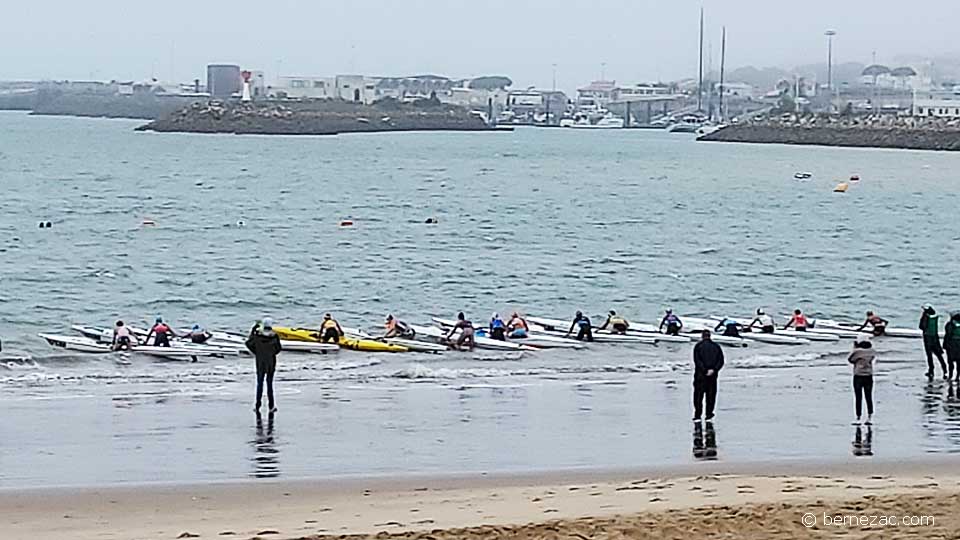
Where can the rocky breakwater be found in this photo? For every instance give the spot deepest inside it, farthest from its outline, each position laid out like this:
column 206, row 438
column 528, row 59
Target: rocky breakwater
column 320, row 117
column 881, row 131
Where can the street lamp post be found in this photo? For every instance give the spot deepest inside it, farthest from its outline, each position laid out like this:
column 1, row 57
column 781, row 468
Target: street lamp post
column 830, row 34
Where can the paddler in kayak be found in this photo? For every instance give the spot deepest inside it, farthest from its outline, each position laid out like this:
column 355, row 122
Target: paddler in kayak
column 672, row 322
column 617, row 324
column 162, row 333
column 518, row 327
column 123, row 338
column 466, row 332
column 584, row 329
column 398, row 329
column 766, row 322
column 330, row 331
column 879, row 324
column 799, row 321
column 930, row 325
column 729, row 327
column 197, row 335
column 498, row 328
column 951, row 343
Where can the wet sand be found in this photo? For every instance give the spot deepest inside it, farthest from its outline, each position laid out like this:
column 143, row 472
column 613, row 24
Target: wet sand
column 713, row 500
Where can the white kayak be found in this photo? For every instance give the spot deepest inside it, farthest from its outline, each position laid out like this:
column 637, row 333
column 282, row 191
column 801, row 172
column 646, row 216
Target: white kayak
column 558, row 327
column 828, row 324
column 439, row 334
column 87, row 345
column 774, row 339
column 540, row 340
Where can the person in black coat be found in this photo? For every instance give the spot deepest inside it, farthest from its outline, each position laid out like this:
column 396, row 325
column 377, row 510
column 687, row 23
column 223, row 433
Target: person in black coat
column 707, row 363
column 264, row 343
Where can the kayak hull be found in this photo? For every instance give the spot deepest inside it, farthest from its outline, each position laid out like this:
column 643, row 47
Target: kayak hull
column 354, row 344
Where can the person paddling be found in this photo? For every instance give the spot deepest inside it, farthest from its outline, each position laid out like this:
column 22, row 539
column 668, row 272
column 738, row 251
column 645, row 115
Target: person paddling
column 672, row 322
column 498, row 328
column 398, row 329
column 466, row 332
column 197, row 335
column 123, row 338
column 518, row 327
column 584, row 329
column 161, row 332
column 766, row 322
column 730, row 327
column 799, row 321
column 930, row 325
column 877, row 323
column 616, row 323
column 330, row 331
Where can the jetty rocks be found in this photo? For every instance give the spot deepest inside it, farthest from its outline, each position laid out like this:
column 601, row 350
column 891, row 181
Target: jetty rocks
column 317, row 117
column 879, row 131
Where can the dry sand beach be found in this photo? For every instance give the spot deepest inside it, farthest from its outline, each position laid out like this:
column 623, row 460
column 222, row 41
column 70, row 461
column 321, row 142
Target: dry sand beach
column 772, row 503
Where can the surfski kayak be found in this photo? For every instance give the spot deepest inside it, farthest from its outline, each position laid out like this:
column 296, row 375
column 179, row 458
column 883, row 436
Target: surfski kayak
column 365, row 345
column 633, row 335
column 533, row 339
column 440, row 335
column 87, row 345
column 890, row 331
column 223, row 340
column 412, row 344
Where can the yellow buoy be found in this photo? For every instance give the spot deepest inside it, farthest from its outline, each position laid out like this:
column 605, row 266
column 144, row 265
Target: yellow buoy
column 841, row 187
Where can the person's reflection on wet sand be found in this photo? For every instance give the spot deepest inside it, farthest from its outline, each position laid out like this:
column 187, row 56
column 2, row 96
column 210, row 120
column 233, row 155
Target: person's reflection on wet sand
column 863, row 446
column 266, row 456
column 704, row 441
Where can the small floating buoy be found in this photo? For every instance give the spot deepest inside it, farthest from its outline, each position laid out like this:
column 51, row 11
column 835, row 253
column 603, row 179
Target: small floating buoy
column 432, row 221
column 148, row 223
column 855, row 178
column 346, row 223
column 841, row 187
column 241, row 223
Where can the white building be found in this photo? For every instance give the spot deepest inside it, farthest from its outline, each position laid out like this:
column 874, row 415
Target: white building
column 643, row 90
column 306, row 87
column 736, row 89
column 937, row 104
column 596, row 96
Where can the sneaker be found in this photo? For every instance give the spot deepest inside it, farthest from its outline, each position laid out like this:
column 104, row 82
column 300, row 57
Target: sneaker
column 856, row 422
column 709, row 417
column 869, row 420
column 696, row 419
column 929, row 375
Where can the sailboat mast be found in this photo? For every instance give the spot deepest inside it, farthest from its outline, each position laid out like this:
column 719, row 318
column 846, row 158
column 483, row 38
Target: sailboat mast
column 723, row 62
column 700, row 73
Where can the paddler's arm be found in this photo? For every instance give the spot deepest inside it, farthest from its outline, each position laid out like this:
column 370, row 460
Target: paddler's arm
column 789, row 324
column 605, row 324
column 864, row 325
column 663, row 321
column 719, row 325
column 572, row 325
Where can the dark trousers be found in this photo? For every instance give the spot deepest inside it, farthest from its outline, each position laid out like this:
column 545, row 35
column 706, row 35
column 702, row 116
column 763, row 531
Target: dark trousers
column 931, row 345
column 704, row 387
column 264, row 375
column 863, row 389
column 953, row 360
column 673, row 330
column 585, row 334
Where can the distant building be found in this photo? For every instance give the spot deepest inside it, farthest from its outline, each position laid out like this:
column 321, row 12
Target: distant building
column 937, row 104
column 524, row 103
column 223, row 80
column 641, row 91
column 596, row 96
column 736, row 89
column 306, row 87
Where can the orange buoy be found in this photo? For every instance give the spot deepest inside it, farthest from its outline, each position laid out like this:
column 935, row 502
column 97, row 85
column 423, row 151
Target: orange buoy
column 841, row 187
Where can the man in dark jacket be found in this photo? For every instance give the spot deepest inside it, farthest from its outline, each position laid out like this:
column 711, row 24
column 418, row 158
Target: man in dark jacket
column 264, row 343
column 707, row 363
column 930, row 325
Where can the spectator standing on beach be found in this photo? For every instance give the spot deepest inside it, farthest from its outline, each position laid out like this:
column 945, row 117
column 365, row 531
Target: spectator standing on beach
column 264, row 343
column 707, row 363
column 930, row 325
column 862, row 358
column 951, row 343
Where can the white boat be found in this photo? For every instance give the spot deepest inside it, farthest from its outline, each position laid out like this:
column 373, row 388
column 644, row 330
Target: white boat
column 560, row 327
column 709, row 129
column 440, row 335
column 689, row 123
column 828, row 324
column 775, row 339
column 222, row 340
column 534, row 339
column 87, row 345
column 607, row 121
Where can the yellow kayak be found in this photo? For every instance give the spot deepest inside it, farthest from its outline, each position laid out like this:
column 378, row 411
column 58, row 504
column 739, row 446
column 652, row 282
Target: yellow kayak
column 366, row 345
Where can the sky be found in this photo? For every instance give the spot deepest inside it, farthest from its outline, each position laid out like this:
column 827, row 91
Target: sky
column 626, row 40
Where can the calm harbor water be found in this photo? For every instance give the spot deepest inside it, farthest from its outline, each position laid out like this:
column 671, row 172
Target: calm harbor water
column 543, row 221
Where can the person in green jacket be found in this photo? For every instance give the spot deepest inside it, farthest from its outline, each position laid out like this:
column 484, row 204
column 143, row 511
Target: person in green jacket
column 951, row 343
column 930, row 325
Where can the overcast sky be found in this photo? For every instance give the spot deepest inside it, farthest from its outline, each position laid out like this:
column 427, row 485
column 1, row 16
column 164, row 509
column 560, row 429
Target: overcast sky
column 638, row 40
